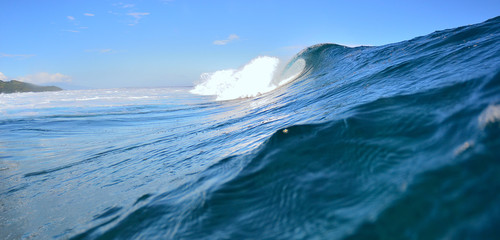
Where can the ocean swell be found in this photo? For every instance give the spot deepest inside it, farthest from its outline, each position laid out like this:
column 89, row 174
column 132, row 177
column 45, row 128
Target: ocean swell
column 399, row 141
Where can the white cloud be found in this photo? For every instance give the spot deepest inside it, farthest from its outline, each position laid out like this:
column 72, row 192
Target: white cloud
column 44, row 77
column 73, row 31
column 16, row 55
column 106, row 50
column 137, row 16
column 229, row 39
column 2, row 77
column 89, row 14
column 71, row 18
column 124, row 5
column 127, row 5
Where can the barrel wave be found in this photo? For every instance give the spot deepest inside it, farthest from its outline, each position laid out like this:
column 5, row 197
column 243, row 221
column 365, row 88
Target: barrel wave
column 399, row 141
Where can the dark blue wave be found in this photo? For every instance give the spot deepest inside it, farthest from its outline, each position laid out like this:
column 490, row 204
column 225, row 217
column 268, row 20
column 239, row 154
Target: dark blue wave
column 399, row 141
column 386, row 142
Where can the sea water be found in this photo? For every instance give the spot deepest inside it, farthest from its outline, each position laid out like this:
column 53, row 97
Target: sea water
column 399, row 141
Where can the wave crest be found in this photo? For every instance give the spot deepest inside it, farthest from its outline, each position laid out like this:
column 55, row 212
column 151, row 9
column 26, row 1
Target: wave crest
column 257, row 77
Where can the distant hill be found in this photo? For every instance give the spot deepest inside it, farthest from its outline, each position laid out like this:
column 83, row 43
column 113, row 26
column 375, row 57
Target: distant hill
column 18, row 86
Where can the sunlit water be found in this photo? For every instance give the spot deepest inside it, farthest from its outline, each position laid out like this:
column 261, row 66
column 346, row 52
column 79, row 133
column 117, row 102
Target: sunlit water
column 392, row 142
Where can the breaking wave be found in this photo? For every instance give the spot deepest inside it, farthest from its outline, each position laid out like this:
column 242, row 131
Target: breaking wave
column 399, row 141
column 261, row 75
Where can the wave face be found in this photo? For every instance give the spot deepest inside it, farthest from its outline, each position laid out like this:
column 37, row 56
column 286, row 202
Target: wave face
column 399, row 141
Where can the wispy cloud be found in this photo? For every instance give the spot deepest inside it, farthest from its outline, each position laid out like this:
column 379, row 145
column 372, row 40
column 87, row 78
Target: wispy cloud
column 2, row 77
column 137, row 16
column 71, row 18
column 16, row 55
column 106, row 50
column 124, row 5
column 68, row 30
column 44, row 77
column 229, row 39
column 89, row 14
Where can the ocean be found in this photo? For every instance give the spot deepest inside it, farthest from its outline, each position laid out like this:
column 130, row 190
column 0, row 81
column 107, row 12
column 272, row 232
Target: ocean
column 400, row 141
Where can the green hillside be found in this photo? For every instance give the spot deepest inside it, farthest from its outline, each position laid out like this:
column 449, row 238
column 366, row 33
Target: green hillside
column 18, row 86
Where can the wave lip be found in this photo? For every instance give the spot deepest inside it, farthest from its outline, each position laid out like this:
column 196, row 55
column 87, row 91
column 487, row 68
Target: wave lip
column 251, row 80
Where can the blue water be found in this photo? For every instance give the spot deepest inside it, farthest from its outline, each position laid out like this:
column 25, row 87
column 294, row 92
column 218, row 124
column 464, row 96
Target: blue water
column 400, row 141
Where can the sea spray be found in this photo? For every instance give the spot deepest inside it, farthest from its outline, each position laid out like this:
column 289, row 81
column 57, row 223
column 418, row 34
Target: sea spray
column 251, row 80
column 261, row 75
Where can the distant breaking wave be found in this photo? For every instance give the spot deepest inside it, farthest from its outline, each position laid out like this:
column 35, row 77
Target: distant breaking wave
column 261, row 75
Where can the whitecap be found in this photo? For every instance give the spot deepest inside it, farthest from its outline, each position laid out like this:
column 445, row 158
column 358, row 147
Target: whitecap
column 257, row 77
column 489, row 116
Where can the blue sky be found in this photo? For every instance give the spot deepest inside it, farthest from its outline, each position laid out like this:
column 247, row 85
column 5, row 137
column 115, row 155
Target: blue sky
column 153, row 43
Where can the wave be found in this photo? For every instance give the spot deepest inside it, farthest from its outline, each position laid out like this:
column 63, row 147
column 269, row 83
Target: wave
column 383, row 142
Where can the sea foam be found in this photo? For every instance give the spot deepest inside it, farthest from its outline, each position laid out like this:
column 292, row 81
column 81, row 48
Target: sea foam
column 261, row 75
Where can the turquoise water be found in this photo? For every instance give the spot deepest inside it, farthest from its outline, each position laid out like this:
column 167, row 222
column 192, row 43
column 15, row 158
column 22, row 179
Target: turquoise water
column 399, row 141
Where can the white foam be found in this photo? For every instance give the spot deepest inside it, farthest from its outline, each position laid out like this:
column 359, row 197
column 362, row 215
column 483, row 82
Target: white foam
column 71, row 101
column 253, row 79
column 261, row 75
column 489, row 116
